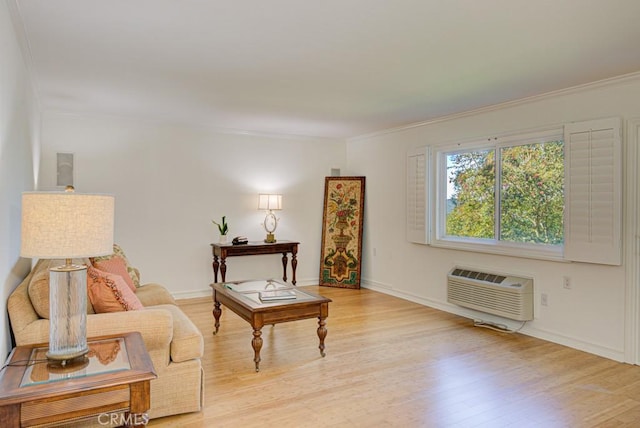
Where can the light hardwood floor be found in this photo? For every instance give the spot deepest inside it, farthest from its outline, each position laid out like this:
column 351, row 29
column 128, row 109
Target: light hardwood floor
column 393, row 363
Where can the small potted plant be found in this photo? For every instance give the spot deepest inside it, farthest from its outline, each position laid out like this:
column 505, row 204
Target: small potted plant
column 223, row 228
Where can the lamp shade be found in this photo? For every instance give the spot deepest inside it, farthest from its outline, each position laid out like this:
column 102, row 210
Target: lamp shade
column 269, row 202
column 58, row 225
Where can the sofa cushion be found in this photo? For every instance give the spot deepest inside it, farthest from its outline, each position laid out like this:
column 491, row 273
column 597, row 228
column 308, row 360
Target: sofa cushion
column 110, row 293
column 187, row 342
column 117, row 251
column 39, row 286
column 117, row 266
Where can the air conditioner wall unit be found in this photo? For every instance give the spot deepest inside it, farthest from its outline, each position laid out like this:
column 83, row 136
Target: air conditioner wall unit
column 503, row 295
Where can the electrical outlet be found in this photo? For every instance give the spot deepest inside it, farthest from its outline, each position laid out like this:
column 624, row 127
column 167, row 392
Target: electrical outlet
column 544, row 301
column 566, row 282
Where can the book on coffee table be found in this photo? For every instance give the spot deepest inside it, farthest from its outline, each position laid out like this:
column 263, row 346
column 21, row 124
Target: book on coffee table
column 271, row 295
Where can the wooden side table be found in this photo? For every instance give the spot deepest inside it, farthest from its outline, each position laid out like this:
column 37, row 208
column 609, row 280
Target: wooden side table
column 114, row 378
column 222, row 251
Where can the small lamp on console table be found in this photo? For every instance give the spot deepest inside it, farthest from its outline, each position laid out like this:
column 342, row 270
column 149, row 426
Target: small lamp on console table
column 67, row 225
column 270, row 203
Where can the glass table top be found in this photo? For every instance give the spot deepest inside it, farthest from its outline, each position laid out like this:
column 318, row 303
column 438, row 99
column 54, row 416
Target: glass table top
column 255, row 292
column 105, row 356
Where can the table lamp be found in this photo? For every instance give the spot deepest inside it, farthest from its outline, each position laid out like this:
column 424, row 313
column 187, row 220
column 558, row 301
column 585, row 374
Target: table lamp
column 270, row 203
column 67, row 225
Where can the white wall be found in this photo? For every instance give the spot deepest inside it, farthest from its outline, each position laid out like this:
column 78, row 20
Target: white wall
column 590, row 316
column 170, row 181
column 18, row 148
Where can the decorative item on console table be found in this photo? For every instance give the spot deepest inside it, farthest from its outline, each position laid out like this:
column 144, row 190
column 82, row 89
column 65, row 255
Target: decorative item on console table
column 270, row 203
column 341, row 252
column 223, row 228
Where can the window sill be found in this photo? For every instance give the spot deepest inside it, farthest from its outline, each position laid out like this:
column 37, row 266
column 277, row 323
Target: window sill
column 547, row 252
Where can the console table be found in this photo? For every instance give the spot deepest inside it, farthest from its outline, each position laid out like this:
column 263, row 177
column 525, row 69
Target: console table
column 222, row 251
column 114, row 376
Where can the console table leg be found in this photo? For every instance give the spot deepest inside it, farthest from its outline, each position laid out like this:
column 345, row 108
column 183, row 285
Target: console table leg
column 294, row 264
column 216, row 315
column 257, row 345
column 284, row 266
column 216, row 265
column 322, row 333
column 223, row 268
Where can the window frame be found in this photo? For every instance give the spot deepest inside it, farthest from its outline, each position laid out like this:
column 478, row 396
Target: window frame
column 439, row 197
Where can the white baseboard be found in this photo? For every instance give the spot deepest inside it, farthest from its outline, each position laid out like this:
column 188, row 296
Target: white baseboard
column 192, row 294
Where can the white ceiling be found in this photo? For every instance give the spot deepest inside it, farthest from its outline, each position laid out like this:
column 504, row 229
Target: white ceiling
column 329, row 68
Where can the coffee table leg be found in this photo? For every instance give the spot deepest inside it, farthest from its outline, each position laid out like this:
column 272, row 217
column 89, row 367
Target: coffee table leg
column 216, row 315
column 322, row 333
column 257, row 345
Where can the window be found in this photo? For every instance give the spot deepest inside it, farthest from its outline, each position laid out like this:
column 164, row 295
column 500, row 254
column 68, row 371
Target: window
column 532, row 193
column 508, row 191
column 554, row 194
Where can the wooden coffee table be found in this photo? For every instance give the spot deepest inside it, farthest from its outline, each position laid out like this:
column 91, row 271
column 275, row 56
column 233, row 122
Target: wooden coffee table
column 243, row 299
column 114, row 377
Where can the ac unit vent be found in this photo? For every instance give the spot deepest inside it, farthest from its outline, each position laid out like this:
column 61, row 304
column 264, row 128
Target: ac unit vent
column 482, row 276
column 503, row 295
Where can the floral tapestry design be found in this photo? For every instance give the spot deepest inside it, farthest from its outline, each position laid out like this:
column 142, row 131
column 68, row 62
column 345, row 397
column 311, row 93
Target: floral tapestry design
column 342, row 232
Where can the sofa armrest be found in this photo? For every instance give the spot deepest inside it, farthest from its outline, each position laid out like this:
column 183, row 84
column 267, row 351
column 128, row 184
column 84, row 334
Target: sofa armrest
column 35, row 332
column 155, row 326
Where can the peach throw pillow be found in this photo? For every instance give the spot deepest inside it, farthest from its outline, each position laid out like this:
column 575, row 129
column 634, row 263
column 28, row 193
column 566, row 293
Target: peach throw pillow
column 110, row 293
column 117, row 251
column 117, row 266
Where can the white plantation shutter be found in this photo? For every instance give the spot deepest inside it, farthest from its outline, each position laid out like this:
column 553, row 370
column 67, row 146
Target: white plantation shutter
column 417, row 212
column 593, row 191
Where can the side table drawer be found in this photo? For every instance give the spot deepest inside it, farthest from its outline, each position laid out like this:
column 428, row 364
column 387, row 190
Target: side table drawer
column 74, row 406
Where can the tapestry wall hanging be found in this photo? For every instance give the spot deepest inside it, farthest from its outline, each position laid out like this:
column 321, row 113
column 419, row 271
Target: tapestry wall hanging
column 340, row 255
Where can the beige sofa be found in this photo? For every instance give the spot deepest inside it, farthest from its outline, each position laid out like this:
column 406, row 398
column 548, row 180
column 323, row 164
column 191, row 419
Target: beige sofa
column 174, row 343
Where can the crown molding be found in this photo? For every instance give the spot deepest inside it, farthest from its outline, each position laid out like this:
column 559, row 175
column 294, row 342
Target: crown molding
column 508, row 104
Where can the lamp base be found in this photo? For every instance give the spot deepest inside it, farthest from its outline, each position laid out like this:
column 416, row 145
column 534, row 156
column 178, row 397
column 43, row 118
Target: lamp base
column 67, row 366
column 68, row 357
column 270, row 224
column 68, row 313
